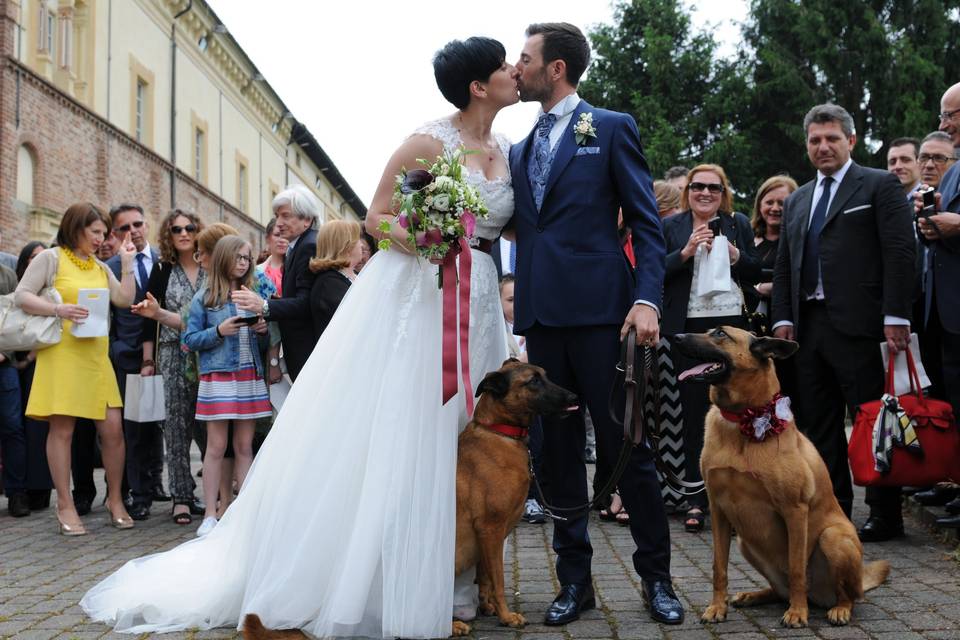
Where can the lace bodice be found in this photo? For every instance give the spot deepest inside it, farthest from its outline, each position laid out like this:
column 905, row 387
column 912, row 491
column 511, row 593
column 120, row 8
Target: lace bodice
column 498, row 194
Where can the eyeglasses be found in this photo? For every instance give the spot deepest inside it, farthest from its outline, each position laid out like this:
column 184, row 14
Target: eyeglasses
column 125, row 228
column 936, row 158
column 712, row 187
column 177, row 229
column 243, row 258
column 948, row 115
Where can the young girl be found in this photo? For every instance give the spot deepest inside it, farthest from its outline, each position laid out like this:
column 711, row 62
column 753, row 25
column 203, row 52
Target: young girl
column 232, row 385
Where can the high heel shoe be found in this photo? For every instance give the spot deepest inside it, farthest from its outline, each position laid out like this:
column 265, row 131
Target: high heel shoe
column 120, row 522
column 71, row 530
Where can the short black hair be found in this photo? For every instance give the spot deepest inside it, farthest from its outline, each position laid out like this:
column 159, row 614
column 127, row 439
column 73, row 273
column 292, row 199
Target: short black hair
column 461, row 62
column 563, row 41
column 676, row 172
column 901, row 142
column 120, row 208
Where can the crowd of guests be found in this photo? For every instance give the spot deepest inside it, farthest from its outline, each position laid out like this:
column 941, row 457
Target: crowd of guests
column 841, row 264
column 176, row 312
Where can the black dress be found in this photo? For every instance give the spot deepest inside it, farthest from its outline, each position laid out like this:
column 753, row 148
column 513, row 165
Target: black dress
column 766, row 251
column 327, row 291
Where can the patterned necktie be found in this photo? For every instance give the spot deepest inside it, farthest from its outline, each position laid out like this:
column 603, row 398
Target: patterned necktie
column 538, row 168
column 141, row 272
column 810, row 270
column 513, row 257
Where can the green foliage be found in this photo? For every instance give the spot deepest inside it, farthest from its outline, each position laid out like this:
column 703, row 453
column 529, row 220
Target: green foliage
column 882, row 60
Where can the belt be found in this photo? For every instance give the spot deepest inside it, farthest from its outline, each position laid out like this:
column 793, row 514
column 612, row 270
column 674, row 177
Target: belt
column 484, row 245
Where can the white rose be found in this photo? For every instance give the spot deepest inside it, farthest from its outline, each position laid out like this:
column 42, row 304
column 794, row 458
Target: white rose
column 441, row 202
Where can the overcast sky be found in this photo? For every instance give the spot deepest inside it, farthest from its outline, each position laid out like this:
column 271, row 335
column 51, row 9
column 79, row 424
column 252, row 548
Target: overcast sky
column 358, row 73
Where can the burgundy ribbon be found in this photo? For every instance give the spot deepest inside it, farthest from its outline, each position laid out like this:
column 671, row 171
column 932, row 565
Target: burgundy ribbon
column 454, row 288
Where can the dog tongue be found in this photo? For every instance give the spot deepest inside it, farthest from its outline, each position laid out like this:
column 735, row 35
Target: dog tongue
column 697, row 370
column 572, row 408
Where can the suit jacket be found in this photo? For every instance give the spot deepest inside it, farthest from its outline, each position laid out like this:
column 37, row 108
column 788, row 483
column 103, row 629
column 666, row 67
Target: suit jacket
column 571, row 270
column 327, row 292
column 943, row 271
column 126, row 329
column 292, row 311
column 867, row 254
column 679, row 274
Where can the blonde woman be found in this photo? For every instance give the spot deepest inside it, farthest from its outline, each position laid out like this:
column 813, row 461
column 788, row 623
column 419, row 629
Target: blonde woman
column 339, row 251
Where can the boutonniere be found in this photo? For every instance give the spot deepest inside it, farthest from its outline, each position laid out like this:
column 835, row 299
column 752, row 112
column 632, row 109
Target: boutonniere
column 583, row 130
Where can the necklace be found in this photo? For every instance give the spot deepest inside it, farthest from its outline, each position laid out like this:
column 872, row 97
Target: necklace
column 83, row 265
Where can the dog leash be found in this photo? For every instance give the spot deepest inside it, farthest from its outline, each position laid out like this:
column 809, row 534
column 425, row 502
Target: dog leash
column 636, row 383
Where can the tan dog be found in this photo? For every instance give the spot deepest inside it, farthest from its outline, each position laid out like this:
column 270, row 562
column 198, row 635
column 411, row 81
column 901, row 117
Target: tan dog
column 493, row 476
column 766, row 480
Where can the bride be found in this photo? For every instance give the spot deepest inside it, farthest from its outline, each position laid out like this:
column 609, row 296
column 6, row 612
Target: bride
column 345, row 525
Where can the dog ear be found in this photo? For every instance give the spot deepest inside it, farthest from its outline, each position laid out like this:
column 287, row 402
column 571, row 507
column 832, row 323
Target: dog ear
column 764, row 348
column 496, row 383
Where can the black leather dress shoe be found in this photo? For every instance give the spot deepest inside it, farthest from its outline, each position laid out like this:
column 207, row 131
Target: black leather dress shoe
column 39, row 499
column 936, row 496
column 566, row 607
column 83, row 505
column 664, row 605
column 949, row 522
column 878, row 529
column 953, row 507
column 197, row 508
column 18, row 505
column 159, row 495
column 139, row 511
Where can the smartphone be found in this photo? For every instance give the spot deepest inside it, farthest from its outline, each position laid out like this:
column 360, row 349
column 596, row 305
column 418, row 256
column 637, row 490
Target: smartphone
column 929, row 202
column 247, row 319
column 714, row 225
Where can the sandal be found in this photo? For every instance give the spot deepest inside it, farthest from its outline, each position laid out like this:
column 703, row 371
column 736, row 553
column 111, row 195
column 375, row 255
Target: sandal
column 184, row 518
column 693, row 523
column 608, row 514
column 622, row 518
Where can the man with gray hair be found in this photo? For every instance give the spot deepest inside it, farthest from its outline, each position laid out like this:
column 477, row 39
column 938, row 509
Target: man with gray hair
column 842, row 283
column 297, row 212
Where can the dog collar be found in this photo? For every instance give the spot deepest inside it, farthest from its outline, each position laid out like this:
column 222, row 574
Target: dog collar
column 509, row 430
column 759, row 422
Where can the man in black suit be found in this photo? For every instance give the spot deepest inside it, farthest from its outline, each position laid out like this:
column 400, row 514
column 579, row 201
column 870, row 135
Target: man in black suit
column 297, row 212
column 144, row 441
column 842, row 283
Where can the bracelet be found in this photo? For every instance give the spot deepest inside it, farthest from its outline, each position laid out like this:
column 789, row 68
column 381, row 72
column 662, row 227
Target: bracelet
column 148, row 363
column 56, row 310
column 219, row 335
column 128, row 273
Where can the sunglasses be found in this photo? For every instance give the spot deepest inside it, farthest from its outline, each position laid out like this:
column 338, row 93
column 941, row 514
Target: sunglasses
column 712, row 187
column 125, row 228
column 177, row 229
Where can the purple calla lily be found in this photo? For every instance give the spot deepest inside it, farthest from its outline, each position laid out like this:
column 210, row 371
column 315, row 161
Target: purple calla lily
column 415, row 181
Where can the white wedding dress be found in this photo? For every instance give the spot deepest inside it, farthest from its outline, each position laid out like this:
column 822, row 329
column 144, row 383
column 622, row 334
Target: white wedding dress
column 345, row 525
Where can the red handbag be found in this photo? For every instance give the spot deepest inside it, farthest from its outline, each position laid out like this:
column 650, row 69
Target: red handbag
column 937, row 458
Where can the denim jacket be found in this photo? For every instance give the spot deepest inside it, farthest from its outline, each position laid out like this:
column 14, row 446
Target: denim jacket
column 216, row 354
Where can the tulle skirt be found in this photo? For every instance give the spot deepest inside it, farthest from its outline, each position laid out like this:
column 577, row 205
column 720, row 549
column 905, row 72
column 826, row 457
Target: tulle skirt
column 345, row 525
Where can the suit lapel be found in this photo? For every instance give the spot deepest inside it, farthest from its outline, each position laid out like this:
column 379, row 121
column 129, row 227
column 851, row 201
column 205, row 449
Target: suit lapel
column 850, row 185
column 566, row 149
column 521, row 181
column 800, row 220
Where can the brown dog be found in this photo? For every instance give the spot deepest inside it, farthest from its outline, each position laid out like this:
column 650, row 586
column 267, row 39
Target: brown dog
column 766, row 480
column 493, row 476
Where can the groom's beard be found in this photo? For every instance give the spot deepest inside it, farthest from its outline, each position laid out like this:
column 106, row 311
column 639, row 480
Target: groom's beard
column 536, row 91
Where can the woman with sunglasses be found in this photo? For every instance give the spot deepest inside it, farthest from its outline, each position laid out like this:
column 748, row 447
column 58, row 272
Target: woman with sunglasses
column 707, row 210
column 172, row 285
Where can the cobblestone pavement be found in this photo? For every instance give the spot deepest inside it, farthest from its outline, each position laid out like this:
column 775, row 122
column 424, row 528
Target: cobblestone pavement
column 44, row 575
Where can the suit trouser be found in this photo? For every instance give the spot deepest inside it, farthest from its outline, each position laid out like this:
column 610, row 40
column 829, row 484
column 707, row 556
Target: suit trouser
column 144, row 446
column 950, row 343
column 83, row 459
column 38, row 471
column 13, row 441
column 836, row 373
column 583, row 360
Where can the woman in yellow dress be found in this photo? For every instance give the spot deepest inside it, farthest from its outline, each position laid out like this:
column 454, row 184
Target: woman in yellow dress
column 74, row 378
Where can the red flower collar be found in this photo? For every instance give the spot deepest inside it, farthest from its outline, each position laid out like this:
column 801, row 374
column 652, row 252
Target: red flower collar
column 757, row 423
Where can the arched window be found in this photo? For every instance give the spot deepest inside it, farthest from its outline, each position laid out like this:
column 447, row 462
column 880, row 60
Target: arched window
column 26, row 171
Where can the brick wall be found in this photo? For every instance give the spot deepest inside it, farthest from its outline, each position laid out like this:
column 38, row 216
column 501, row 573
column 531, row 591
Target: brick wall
column 82, row 157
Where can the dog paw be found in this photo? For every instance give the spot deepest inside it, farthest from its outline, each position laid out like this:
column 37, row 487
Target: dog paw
column 839, row 615
column 795, row 617
column 750, row 598
column 486, row 607
column 460, row 629
column 715, row 613
column 512, row 619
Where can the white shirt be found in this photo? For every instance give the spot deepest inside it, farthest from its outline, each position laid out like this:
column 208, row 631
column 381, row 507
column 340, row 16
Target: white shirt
column 505, row 256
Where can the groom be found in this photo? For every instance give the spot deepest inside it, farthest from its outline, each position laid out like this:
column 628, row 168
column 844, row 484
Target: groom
column 576, row 294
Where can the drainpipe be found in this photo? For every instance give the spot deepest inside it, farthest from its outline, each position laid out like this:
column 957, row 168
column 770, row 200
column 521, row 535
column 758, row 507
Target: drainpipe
column 173, row 104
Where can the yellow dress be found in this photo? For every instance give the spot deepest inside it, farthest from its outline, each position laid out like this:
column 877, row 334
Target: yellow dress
column 74, row 377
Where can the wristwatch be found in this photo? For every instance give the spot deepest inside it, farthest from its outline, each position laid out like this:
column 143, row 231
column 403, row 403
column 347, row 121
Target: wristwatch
column 265, row 309
column 274, row 362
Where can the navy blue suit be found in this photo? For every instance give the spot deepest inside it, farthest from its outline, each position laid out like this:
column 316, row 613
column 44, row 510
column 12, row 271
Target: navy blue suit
column 574, row 288
column 941, row 293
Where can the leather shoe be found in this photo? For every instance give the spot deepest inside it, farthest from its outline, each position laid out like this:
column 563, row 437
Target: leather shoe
column 83, row 505
column 566, row 607
column 949, row 522
column 936, row 496
column 159, row 495
column 197, row 508
column 39, row 499
column 953, row 507
column 664, row 605
column 879, row 528
column 18, row 505
column 138, row 511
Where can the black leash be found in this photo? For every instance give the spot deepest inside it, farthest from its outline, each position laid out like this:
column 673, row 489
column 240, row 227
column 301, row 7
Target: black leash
column 639, row 428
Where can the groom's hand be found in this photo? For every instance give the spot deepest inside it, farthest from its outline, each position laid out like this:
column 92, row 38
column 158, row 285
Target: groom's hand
column 644, row 319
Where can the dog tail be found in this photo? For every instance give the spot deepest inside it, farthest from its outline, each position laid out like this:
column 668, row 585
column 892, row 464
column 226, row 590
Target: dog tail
column 874, row 573
column 253, row 629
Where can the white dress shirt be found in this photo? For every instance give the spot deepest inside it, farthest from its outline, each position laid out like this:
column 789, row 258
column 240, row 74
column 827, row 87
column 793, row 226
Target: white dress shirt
column 505, row 266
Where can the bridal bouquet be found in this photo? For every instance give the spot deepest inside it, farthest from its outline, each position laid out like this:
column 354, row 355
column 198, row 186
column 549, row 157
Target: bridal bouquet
column 436, row 206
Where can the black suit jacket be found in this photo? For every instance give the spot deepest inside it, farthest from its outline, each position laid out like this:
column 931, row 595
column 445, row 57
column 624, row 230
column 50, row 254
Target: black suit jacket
column 867, row 254
column 126, row 329
column 292, row 311
column 495, row 255
column 679, row 274
column 328, row 290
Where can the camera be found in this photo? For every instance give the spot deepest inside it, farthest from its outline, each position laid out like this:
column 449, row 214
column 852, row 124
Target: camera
column 929, row 202
column 714, row 225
